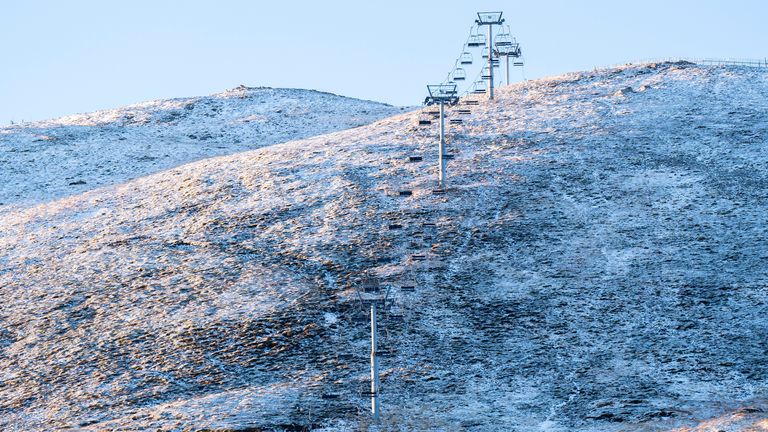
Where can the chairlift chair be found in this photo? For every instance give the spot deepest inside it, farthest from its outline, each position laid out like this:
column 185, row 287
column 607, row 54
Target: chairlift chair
column 465, row 58
column 476, row 40
column 478, row 87
column 418, row 257
column 463, row 111
column 471, row 102
column 485, row 53
column 486, row 73
column 415, row 158
column 456, row 121
column 503, row 39
column 459, row 74
column 518, row 62
column 405, row 193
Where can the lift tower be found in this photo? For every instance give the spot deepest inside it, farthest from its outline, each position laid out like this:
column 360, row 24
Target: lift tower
column 489, row 19
column 442, row 94
column 372, row 296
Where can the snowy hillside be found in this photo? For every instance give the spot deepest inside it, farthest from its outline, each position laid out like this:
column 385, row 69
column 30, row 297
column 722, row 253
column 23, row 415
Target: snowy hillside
column 600, row 264
column 52, row 159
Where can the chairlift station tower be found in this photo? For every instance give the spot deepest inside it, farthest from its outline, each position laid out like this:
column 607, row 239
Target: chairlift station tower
column 442, row 94
column 490, row 19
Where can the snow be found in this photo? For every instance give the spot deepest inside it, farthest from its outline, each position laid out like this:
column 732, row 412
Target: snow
column 598, row 265
column 51, row 159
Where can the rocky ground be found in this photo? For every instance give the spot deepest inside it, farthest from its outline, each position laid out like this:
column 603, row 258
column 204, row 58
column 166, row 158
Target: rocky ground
column 46, row 160
column 599, row 264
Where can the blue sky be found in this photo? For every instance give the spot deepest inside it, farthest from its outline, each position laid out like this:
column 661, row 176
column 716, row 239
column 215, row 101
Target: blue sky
column 65, row 57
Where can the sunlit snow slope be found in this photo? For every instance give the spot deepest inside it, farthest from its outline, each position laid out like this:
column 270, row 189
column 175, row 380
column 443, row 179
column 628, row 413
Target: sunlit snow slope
column 600, row 264
column 44, row 160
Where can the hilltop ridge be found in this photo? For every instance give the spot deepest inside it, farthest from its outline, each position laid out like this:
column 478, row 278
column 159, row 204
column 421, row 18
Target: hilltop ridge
column 598, row 265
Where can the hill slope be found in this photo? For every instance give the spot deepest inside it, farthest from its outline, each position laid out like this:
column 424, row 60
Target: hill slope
column 51, row 159
column 599, row 265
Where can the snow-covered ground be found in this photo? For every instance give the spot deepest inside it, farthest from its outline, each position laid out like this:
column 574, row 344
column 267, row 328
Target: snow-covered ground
column 45, row 160
column 600, row 264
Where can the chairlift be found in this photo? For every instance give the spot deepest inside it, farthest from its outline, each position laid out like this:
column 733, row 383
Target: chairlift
column 449, row 156
column 405, row 193
column 370, row 285
column 424, row 122
column 503, row 39
column 478, row 87
column 518, row 62
column 456, row 121
column 408, row 287
column 485, row 53
column 471, row 102
column 418, row 257
column 395, row 226
column 459, row 74
column 463, row 111
column 330, row 396
column 486, row 73
column 476, row 40
column 415, row 158
column 465, row 58
column 385, row 353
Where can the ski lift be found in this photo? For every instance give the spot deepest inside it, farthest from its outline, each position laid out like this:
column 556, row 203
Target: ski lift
column 485, row 53
column 416, row 234
column 465, row 58
column 449, row 156
column 408, row 287
column 471, row 102
column 486, row 73
column 456, row 121
column 518, row 62
column 418, row 257
column 503, row 39
column 405, row 193
column 383, row 352
column 415, row 158
column 478, row 87
column 476, row 40
column 330, row 396
column 459, row 74
column 463, row 111
column 395, row 226
column 424, row 122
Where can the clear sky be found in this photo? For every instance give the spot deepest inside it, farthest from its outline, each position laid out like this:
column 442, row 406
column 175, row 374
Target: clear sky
column 65, row 57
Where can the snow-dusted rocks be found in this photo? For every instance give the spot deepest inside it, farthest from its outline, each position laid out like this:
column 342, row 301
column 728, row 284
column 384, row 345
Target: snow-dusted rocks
column 599, row 265
column 51, row 159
